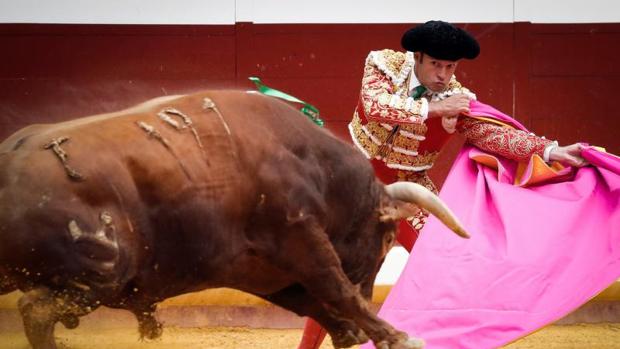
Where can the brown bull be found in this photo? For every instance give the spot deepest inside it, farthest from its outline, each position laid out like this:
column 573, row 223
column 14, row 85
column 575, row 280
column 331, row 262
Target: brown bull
column 184, row 193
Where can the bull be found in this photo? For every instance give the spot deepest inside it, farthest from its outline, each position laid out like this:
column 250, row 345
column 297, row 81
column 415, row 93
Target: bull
column 185, row 193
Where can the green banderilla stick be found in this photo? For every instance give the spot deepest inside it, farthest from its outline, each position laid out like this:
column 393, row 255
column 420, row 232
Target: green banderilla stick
column 308, row 109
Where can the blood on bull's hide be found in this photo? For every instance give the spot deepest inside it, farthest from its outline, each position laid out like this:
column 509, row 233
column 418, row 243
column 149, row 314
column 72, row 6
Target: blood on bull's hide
column 184, row 193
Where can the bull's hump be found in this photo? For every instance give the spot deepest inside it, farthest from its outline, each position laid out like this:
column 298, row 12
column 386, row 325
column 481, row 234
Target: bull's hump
column 145, row 107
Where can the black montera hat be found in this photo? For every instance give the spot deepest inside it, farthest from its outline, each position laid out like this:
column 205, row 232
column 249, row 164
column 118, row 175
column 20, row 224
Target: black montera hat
column 441, row 40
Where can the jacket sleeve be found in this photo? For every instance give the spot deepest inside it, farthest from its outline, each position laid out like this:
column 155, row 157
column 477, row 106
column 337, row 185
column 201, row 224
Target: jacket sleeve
column 503, row 141
column 381, row 104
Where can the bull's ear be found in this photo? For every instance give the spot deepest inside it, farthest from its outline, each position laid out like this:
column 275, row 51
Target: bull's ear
column 395, row 210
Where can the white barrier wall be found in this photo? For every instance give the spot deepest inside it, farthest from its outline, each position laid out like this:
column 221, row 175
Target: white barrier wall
column 394, row 11
column 567, row 11
column 118, row 11
column 302, row 11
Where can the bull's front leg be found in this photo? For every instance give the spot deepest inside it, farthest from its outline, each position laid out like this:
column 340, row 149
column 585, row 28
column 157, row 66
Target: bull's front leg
column 39, row 314
column 344, row 333
column 320, row 272
column 41, row 308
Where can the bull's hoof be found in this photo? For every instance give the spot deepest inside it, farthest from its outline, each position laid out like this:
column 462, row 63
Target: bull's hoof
column 70, row 321
column 382, row 345
column 410, row 343
column 150, row 329
column 414, row 343
column 349, row 339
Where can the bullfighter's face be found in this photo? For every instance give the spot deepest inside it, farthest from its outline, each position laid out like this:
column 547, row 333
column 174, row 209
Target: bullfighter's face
column 434, row 74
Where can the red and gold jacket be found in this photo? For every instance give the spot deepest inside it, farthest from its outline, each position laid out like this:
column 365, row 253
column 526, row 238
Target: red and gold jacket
column 389, row 126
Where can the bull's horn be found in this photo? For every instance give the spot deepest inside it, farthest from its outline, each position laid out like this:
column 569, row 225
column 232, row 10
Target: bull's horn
column 417, row 194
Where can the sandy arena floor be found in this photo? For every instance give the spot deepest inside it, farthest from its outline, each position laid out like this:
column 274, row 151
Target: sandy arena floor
column 600, row 336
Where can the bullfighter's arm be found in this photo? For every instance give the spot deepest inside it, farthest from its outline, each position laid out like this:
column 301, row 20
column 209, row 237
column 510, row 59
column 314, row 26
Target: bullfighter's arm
column 504, row 141
column 381, row 104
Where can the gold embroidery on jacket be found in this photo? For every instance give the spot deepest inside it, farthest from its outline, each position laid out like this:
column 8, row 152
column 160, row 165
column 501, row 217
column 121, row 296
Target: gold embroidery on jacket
column 420, row 177
column 419, row 161
column 379, row 148
column 393, row 60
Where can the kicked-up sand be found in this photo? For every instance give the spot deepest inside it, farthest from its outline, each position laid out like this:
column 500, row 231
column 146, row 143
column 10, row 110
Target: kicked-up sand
column 591, row 336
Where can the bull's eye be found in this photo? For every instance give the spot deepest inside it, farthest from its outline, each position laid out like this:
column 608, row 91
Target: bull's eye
column 389, row 238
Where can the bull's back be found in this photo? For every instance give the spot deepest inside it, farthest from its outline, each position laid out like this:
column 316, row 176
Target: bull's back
column 203, row 132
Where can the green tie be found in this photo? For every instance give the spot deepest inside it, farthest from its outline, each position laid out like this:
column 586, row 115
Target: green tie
column 418, row 92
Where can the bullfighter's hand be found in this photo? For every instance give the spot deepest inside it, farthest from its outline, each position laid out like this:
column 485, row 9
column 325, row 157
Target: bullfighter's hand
column 449, row 107
column 568, row 155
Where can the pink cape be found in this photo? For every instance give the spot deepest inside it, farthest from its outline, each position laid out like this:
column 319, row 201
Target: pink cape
column 536, row 253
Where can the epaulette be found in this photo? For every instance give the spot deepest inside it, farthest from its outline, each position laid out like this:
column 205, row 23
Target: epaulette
column 395, row 65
